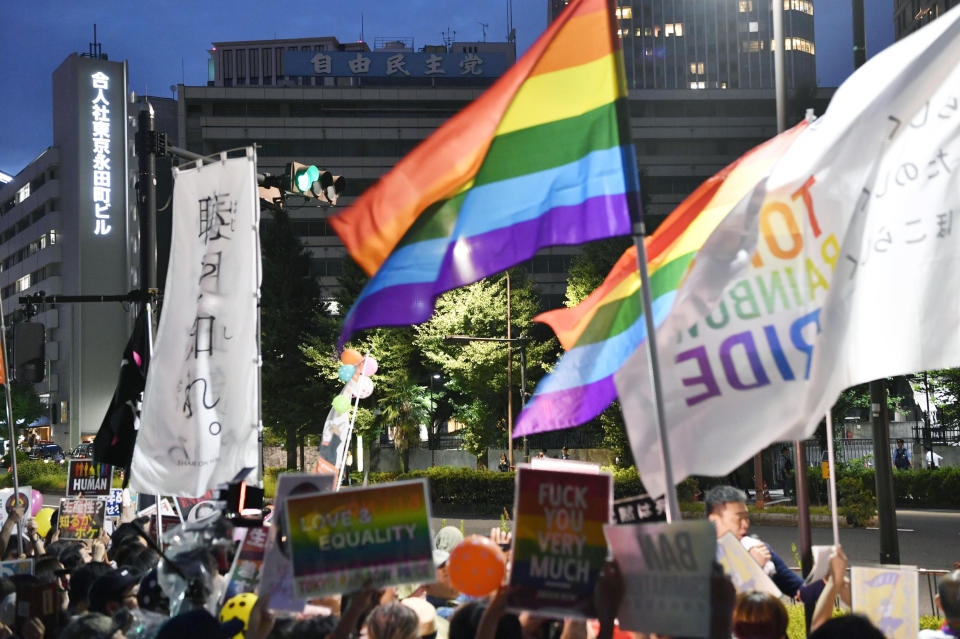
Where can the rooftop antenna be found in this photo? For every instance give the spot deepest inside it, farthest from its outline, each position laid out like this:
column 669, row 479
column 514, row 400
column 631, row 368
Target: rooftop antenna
column 448, row 38
column 361, row 26
column 483, row 27
column 94, row 50
column 511, row 32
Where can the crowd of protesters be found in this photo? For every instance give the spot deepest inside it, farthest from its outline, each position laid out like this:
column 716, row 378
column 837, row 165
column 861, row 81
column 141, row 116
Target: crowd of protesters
column 110, row 588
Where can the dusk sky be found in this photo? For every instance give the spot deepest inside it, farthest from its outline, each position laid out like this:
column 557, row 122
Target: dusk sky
column 166, row 42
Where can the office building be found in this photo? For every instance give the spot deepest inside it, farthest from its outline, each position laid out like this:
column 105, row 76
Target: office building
column 721, row 44
column 910, row 15
column 67, row 227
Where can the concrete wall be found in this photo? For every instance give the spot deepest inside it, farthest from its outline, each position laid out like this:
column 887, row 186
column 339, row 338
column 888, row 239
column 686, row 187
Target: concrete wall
column 388, row 459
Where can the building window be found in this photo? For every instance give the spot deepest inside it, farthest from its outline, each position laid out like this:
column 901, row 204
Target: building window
column 278, row 62
column 754, row 27
column 254, row 65
column 23, row 193
column 625, row 13
column 241, row 67
column 696, row 68
column 698, row 85
column 227, row 63
column 675, row 28
column 747, row 5
column 804, row 6
column 22, row 284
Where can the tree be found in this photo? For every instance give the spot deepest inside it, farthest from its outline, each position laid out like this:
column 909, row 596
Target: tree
column 476, row 372
column 591, row 267
column 404, row 408
column 292, row 314
column 27, row 407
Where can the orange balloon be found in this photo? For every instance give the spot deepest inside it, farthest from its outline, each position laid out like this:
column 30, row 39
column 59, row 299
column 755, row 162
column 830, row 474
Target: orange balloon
column 476, row 566
column 350, row 356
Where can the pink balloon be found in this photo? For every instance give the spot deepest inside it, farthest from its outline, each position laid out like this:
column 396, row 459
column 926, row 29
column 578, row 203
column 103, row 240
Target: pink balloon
column 370, row 366
column 36, row 502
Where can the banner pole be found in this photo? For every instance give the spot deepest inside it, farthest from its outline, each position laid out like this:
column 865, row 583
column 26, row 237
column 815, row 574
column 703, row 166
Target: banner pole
column 833, row 481
column 10, row 428
column 673, row 507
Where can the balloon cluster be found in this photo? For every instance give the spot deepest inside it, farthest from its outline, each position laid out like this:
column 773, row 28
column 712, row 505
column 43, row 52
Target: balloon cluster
column 355, row 371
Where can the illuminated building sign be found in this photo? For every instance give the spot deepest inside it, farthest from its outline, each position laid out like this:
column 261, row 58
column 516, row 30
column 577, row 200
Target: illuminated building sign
column 100, row 161
column 393, row 64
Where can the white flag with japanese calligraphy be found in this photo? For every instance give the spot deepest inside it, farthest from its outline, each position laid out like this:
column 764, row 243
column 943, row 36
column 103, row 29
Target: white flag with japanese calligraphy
column 200, row 419
column 840, row 267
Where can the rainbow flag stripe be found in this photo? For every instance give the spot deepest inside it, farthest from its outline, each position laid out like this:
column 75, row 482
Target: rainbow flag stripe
column 541, row 158
column 601, row 332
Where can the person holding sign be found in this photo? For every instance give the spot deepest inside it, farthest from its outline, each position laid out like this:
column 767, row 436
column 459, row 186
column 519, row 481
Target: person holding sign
column 727, row 509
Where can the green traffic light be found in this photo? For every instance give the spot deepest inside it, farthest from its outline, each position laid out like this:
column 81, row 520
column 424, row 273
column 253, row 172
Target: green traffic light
column 306, row 177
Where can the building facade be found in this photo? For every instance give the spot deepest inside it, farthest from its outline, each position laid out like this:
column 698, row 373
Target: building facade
column 910, row 15
column 67, row 226
column 682, row 137
column 721, row 44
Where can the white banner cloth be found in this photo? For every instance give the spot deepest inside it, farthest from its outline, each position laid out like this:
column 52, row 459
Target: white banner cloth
column 840, row 267
column 200, row 417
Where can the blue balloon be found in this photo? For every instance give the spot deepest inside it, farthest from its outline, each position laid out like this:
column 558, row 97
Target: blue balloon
column 346, row 372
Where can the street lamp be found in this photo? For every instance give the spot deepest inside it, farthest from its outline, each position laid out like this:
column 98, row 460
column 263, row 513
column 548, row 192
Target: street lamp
column 522, row 340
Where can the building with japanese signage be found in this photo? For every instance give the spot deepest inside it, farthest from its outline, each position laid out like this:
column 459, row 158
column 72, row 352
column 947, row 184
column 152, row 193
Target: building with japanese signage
column 68, row 227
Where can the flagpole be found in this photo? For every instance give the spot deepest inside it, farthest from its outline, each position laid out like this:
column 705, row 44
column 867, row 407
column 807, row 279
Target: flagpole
column 148, row 309
column 638, row 232
column 13, row 441
column 833, row 482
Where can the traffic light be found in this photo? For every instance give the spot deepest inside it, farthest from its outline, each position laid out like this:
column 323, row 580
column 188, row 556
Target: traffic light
column 333, row 186
column 302, row 178
column 28, row 352
column 309, row 181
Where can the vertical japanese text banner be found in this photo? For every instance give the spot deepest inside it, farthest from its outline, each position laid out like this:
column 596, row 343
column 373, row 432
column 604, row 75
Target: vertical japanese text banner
column 200, row 418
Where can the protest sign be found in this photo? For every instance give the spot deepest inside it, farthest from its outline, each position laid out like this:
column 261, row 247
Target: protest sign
column 887, row 595
column 16, row 567
column 558, row 544
column 642, row 509
column 276, row 574
column 378, row 535
column 89, row 478
column 741, row 567
column 81, row 518
column 245, row 573
column 666, row 576
column 197, row 508
column 6, row 499
column 114, row 503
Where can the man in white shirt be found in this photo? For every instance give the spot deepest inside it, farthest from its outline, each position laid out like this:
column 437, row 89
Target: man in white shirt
column 933, row 460
column 948, row 600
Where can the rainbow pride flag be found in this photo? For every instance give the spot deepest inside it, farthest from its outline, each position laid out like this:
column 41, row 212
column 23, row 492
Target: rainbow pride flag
column 542, row 158
column 601, row 332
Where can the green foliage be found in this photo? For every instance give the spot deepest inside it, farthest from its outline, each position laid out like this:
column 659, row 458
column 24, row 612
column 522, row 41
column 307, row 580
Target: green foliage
column 26, row 405
column 615, row 436
column 687, row 490
column 292, row 314
column 591, row 267
column 854, row 502
column 404, row 408
column 22, row 457
column 475, row 373
column 45, row 477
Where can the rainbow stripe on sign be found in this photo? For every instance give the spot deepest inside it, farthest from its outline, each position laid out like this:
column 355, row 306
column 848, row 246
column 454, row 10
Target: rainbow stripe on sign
column 341, row 540
column 559, row 547
column 608, row 326
column 541, row 158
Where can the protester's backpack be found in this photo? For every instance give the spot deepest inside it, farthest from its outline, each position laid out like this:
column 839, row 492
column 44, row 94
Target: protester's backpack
column 900, row 459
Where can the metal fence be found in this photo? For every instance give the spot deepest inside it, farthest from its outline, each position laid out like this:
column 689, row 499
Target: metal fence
column 572, row 438
column 939, row 433
column 846, row 451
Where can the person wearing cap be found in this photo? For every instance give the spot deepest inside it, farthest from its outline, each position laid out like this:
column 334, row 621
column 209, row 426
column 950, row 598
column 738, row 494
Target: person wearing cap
column 426, row 616
column 115, row 590
column 80, row 581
